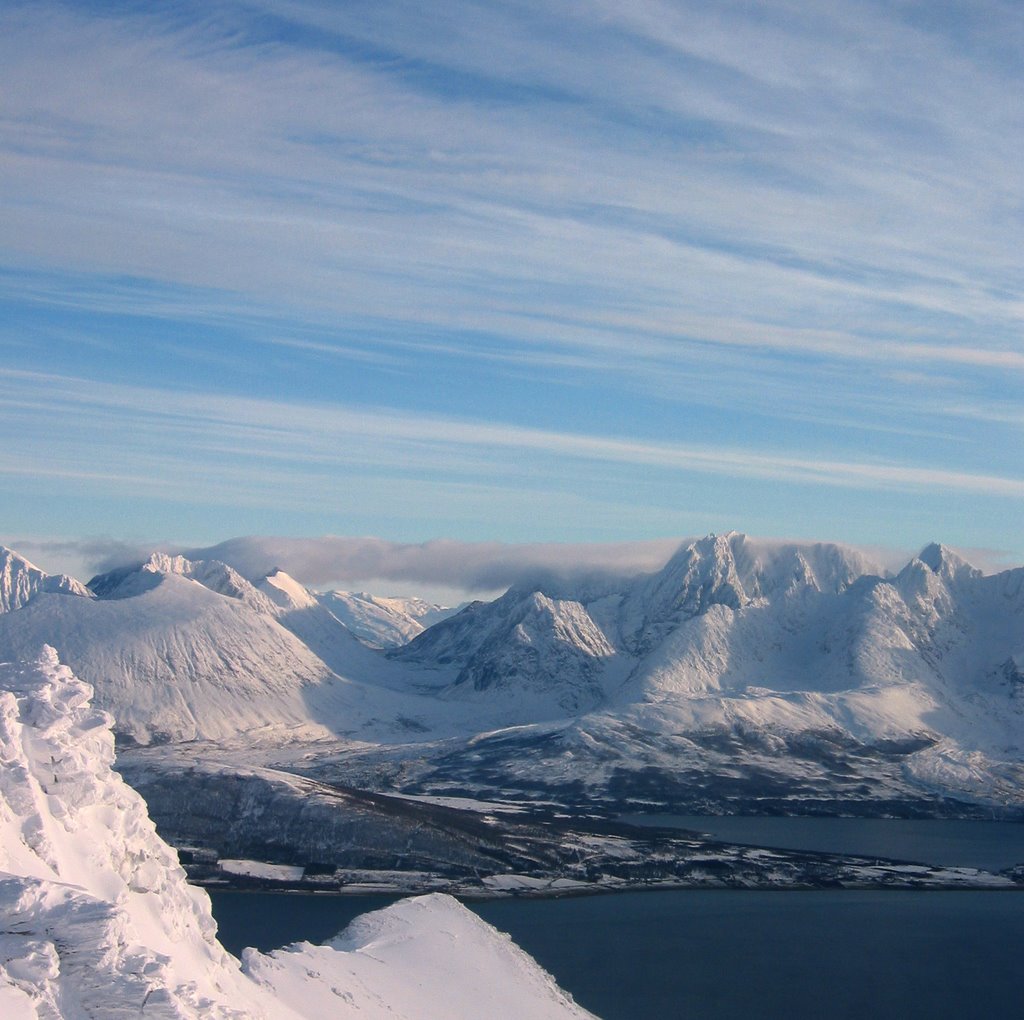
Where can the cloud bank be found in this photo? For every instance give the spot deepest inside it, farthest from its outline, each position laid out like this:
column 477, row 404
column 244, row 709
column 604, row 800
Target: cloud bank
column 469, row 566
column 447, row 568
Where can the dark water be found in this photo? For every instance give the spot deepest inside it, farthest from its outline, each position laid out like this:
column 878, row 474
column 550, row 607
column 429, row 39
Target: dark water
column 991, row 846
column 886, row 955
column 268, row 921
column 787, row 955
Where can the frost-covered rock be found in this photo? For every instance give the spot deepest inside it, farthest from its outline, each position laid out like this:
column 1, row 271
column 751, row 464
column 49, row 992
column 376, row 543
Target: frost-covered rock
column 96, row 919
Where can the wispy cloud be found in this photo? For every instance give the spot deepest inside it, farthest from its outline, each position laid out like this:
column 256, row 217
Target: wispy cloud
column 772, row 165
column 459, row 569
column 203, row 428
column 484, row 252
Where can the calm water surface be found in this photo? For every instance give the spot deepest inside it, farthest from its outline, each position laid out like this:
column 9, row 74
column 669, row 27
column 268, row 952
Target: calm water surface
column 886, row 955
column 739, row 955
column 992, row 846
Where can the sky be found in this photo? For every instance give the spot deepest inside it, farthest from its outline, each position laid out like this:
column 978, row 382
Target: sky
column 525, row 273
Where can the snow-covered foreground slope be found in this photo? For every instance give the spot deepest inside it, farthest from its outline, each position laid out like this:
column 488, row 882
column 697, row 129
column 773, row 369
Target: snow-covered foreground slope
column 427, row 958
column 96, row 919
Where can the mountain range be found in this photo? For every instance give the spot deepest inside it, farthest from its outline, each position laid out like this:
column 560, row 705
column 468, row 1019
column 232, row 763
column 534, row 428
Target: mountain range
column 744, row 676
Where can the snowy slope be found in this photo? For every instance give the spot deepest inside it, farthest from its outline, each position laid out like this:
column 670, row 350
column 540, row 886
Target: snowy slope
column 922, row 663
column 180, row 650
column 578, row 647
column 463, row 969
column 383, row 622
column 731, row 571
column 175, row 661
column 311, row 620
column 535, row 654
column 884, row 657
column 96, row 919
column 781, row 667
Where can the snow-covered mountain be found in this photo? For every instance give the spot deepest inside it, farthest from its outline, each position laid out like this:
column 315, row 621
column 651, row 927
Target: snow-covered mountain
column 759, row 667
column 96, row 919
column 20, row 581
column 309, row 617
column 383, row 622
column 526, row 647
column 173, row 659
column 182, row 650
column 743, row 675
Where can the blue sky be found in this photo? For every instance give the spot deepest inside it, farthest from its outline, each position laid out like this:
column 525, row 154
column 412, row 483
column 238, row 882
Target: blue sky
column 518, row 272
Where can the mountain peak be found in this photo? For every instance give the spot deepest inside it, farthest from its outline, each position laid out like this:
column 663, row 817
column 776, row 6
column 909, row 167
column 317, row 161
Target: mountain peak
column 940, row 559
column 931, row 556
column 21, row 581
column 283, row 590
column 218, row 577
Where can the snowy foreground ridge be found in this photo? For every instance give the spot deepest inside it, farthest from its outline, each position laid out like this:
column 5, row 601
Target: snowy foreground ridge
column 96, row 919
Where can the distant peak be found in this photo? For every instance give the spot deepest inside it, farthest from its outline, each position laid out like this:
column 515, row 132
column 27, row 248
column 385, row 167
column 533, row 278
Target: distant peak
column 285, row 592
column 932, row 556
column 940, row 559
column 21, row 581
column 15, row 559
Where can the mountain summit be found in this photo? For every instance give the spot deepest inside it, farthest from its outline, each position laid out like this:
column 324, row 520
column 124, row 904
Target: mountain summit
column 20, row 581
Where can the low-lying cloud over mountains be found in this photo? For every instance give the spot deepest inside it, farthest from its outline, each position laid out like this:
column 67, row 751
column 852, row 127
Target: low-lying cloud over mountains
column 438, row 568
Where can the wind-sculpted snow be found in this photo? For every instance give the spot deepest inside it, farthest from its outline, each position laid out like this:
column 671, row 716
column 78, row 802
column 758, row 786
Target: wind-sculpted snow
column 96, row 919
